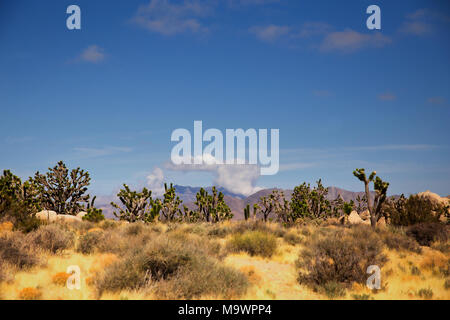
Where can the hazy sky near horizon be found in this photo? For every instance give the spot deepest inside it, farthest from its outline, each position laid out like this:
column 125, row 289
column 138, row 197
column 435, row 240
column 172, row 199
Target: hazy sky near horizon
column 107, row 97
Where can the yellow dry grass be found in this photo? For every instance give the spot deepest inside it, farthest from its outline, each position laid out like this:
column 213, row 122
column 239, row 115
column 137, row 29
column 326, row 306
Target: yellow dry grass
column 269, row 278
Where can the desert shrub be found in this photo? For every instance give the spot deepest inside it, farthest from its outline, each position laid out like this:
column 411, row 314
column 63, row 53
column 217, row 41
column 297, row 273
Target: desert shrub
column 255, row 243
column 443, row 247
column 108, row 224
column 244, row 226
column 415, row 271
column 30, row 294
column 89, row 242
column 203, row 277
column 447, row 284
column 398, row 242
column 363, row 296
column 426, row 293
column 15, row 250
column 219, row 231
column 60, row 278
column 292, row 238
column 133, row 229
column 340, row 256
column 172, row 268
column 427, row 233
column 52, row 238
column 333, row 289
column 3, row 272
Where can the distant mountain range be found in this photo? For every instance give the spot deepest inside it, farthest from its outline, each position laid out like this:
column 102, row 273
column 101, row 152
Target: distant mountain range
column 236, row 202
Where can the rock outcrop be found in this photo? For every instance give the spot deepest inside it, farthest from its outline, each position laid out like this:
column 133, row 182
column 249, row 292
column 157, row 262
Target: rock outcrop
column 46, row 215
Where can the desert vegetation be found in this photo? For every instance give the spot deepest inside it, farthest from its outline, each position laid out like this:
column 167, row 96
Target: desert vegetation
column 302, row 247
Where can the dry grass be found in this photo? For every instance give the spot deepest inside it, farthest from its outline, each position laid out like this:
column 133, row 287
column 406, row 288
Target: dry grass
column 194, row 261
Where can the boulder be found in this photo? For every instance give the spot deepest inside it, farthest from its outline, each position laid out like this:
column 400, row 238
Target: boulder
column 46, row 215
column 435, row 199
column 81, row 214
column 354, row 218
column 67, row 218
column 365, row 215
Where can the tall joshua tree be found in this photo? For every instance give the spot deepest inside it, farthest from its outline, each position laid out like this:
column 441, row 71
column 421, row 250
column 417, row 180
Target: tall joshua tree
column 212, row 207
column 63, row 192
column 137, row 206
column 170, row 204
column 380, row 187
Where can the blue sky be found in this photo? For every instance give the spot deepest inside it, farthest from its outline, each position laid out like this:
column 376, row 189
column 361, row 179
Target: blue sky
column 107, row 97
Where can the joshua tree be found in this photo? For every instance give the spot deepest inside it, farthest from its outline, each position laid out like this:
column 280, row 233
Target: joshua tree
column 190, row 215
column 212, row 208
column 139, row 206
column 282, row 208
column 62, row 192
column 19, row 201
column 361, row 204
column 269, row 204
column 307, row 202
column 380, row 187
column 170, row 204
column 12, row 190
column 247, row 212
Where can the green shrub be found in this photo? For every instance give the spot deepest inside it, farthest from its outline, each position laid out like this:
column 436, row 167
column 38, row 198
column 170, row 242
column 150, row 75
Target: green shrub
column 94, row 215
column 333, row 289
column 427, row 233
column 17, row 251
column 174, row 269
column 292, row 238
column 413, row 211
column 52, row 238
column 255, row 243
column 340, row 257
column 89, row 242
column 398, row 242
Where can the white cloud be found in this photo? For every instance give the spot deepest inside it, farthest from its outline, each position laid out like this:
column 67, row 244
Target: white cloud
column 269, row 33
column 93, row 54
column 236, row 178
column 155, row 182
column 349, row 41
column 166, row 18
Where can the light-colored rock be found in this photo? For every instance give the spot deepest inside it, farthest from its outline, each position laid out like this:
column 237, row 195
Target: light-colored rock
column 81, row 214
column 343, row 219
column 434, row 198
column 367, row 222
column 354, row 218
column 67, row 218
column 365, row 215
column 381, row 223
column 46, row 215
